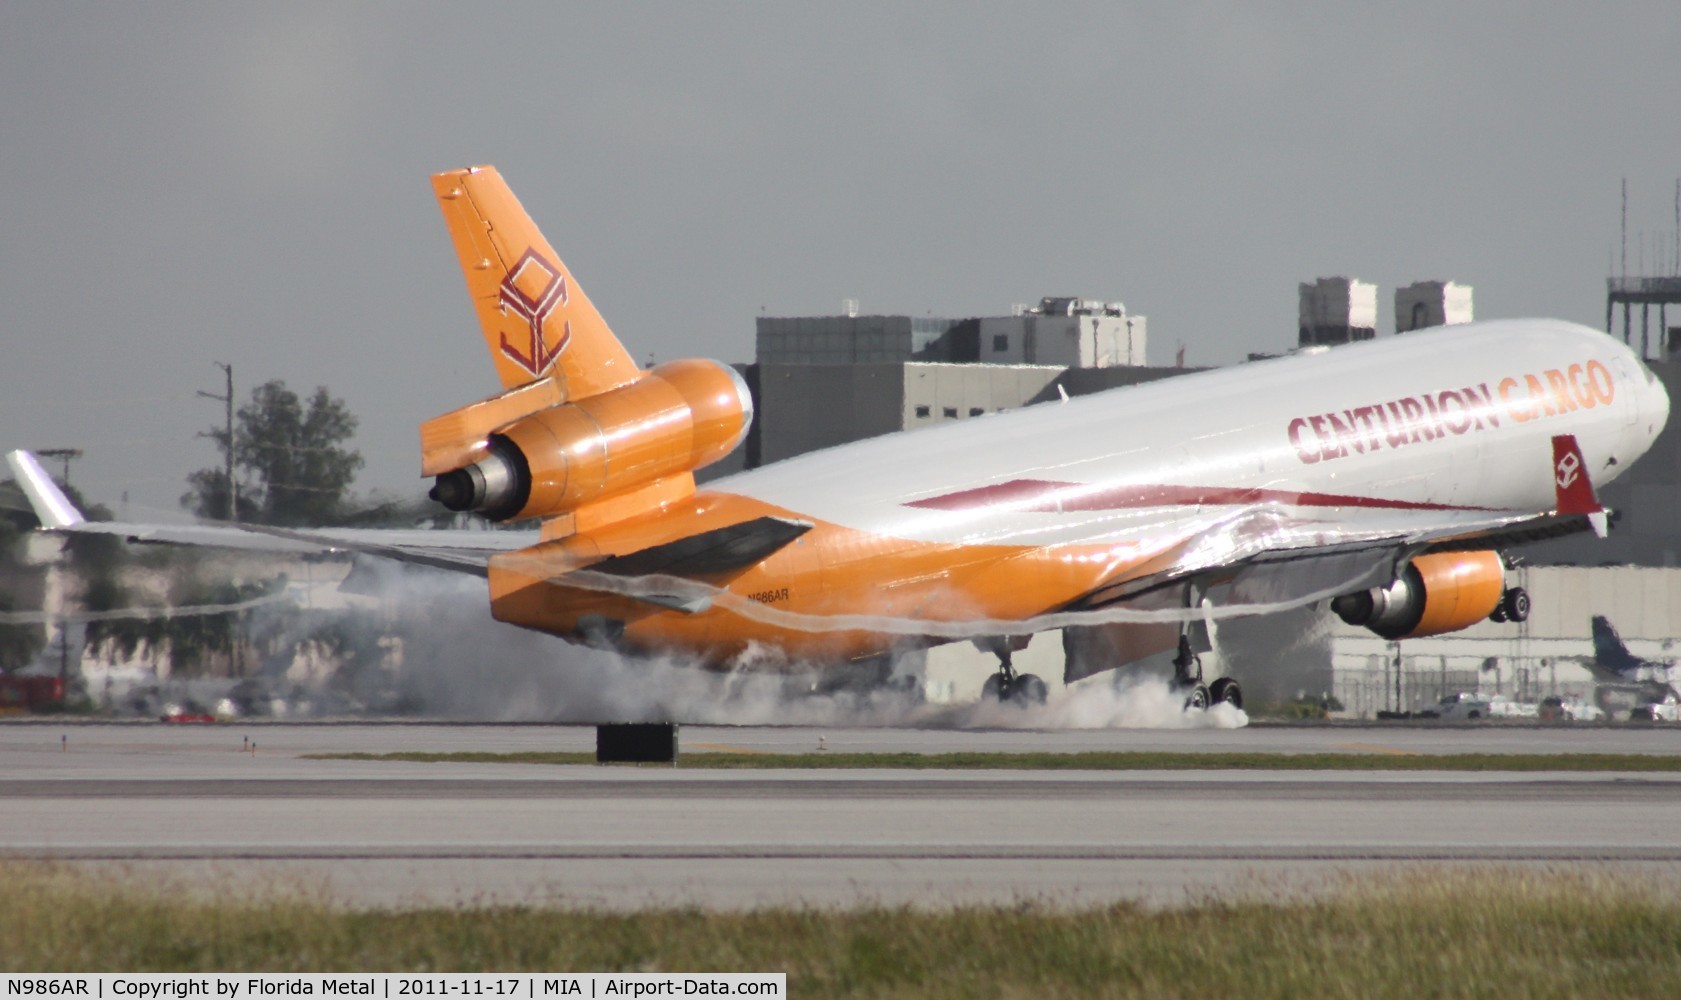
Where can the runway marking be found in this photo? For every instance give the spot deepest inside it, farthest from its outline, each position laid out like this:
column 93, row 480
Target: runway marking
column 1374, row 748
column 1651, row 853
column 1486, row 787
column 726, row 748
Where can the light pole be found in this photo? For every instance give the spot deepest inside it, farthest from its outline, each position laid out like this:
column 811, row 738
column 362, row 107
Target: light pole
column 227, row 400
column 62, row 454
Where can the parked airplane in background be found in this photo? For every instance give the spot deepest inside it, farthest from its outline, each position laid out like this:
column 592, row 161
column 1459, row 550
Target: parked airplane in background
column 1383, row 477
column 1623, row 679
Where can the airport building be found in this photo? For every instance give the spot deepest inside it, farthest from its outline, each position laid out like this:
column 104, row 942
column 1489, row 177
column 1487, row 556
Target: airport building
column 821, row 381
column 1431, row 303
column 1336, row 311
column 1063, row 332
column 1526, row 662
column 816, row 405
column 1645, row 292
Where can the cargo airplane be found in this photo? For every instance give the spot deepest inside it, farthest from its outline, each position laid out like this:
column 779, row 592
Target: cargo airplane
column 1383, row 478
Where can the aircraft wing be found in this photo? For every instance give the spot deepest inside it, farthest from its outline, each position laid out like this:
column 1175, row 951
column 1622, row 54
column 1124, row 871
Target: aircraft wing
column 456, row 551
column 1272, row 556
column 1266, row 558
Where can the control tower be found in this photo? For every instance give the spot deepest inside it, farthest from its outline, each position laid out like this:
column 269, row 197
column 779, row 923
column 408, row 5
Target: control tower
column 1646, row 293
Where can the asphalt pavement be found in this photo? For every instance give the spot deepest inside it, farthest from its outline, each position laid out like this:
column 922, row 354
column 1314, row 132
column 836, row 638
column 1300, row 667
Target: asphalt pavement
column 200, row 806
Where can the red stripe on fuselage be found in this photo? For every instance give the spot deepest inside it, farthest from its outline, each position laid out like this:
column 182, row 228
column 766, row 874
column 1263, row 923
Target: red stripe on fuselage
column 1039, row 496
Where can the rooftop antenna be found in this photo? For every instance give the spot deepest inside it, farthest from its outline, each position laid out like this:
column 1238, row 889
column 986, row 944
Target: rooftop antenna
column 1624, row 269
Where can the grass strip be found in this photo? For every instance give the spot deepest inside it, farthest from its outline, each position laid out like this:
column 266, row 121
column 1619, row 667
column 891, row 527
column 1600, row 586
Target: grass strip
column 1462, row 933
column 1097, row 760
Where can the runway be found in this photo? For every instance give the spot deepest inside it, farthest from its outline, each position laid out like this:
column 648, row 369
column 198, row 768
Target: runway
column 194, row 804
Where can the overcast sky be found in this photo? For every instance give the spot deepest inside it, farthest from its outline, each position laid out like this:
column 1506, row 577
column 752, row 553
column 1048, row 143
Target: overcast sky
column 248, row 183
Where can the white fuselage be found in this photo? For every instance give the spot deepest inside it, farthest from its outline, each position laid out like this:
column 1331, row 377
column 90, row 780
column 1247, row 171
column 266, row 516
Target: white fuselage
column 1457, row 418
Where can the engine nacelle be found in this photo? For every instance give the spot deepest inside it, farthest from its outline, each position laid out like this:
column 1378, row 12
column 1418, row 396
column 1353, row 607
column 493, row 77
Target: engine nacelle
column 1438, row 593
column 681, row 416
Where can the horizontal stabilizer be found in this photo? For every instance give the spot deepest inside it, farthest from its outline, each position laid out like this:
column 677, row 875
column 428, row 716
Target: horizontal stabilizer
column 456, row 551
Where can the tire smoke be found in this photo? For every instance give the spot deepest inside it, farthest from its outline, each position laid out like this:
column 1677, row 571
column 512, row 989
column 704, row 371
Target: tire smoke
column 458, row 663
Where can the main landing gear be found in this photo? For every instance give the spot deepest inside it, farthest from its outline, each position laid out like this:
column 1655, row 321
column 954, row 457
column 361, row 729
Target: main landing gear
column 1187, row 674
column 1006, row 685
column 1187, row 677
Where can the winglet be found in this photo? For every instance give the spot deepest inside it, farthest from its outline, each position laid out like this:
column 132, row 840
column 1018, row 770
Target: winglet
column 51, row 505
column 1573, row 489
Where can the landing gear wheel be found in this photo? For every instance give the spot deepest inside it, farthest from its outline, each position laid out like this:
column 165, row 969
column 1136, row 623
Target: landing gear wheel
column 1029, row 690
column 1021, row 689
column 1006, row 686
column 1225, row 691
column 1515, row 605
column 1499, row 612
column 1197, row 699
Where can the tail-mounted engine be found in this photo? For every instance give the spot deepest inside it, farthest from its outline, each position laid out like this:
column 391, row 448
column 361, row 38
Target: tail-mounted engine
column 1438, row 593
column 680, row 416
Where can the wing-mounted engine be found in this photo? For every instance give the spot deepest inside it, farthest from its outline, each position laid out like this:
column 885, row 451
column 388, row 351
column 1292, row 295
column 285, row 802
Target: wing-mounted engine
column 535, row 456
column 1437, row 593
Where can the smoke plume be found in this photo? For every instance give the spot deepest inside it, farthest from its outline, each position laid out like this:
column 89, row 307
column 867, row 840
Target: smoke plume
column 457, row 662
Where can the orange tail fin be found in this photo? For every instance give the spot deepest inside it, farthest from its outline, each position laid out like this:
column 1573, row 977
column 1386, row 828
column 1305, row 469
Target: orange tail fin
column 536, row 319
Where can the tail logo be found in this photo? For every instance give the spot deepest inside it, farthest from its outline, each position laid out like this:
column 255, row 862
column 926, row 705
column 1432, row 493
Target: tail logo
column 1569, row 466
column 533, row 289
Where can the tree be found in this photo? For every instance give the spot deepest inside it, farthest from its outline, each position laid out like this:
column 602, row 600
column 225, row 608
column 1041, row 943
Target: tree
column 18, row 643
column 293, row 468
column 94, row 559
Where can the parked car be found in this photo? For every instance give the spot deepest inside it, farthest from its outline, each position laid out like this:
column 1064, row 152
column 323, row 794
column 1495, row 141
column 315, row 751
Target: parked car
column 1471, row 705
column 1502, row 707
column 1668, row 710
column 1462, row 705
column 1569, row 708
